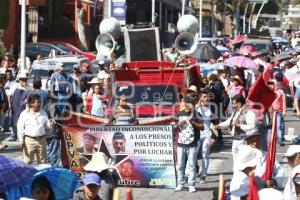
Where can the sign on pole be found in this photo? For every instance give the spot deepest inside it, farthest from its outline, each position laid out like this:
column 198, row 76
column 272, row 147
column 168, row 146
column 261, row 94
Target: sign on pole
column 118, row 10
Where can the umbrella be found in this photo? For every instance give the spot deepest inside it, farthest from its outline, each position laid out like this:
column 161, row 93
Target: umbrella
column 238, row 39
column 14, row 173
column 280, row 40
column 241, row 62
column 222, row 49
column 206, row 68
column 247, row 49
column 63, row 182
column 206, row 51
column 281, row 57
column 291, row 51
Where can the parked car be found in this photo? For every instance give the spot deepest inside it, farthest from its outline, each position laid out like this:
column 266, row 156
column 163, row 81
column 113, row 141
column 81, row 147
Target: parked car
column 73, row 50
column 43, row 67
column 43, row 49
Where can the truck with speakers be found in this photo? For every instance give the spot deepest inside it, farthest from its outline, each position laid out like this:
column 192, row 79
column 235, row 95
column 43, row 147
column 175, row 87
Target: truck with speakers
column 153, row 88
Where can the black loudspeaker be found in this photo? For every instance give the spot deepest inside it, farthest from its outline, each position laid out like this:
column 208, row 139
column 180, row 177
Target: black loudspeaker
column 142, row 44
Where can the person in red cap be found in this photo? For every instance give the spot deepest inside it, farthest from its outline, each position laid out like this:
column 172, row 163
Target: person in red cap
column 86, row 74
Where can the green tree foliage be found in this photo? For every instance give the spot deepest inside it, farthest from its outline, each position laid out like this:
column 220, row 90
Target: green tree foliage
column 4, row 13
column 296, row 2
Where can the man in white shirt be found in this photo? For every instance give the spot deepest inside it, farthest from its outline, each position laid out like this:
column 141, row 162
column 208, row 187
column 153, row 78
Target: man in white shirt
column 32, row 126
column 241, row 120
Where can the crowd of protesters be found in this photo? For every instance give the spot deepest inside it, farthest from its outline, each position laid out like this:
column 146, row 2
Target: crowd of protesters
column 214, row 106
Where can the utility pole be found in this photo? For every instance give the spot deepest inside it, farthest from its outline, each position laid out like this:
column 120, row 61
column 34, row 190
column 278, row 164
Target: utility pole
column 250, row 18
column 153, row 13
column 244, row 18
column 237, row 27
column 109, row 8
column 182, row 7
column 23, row 35
column 200, row 19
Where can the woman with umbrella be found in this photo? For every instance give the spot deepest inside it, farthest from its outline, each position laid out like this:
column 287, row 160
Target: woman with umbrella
column 41, row 189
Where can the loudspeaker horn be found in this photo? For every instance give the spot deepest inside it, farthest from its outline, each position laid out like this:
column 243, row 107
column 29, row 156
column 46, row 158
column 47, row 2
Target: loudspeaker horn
column 186, row 44
column 111, row 26
column 105, row 44
column 188, row 23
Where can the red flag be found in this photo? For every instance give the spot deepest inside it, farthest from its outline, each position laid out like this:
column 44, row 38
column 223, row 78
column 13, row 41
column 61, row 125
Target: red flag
column 261, row 93
column 253, row 191
column 271, row 154
column 129, row 194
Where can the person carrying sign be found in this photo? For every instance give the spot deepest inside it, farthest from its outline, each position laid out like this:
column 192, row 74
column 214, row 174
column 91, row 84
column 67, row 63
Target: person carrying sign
column 188, row 126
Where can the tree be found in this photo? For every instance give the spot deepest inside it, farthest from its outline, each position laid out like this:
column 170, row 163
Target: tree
column 296, row 2
column 4, row 13
column 4, row 19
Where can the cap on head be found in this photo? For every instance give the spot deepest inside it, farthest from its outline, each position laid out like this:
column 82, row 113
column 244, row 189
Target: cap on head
column 193, row 88
column 292, row 150
column 76, row 66
column 92, row 178
column 101, row 62
column 247, row 157
column 59, row 66
column 95, row 81
column 22, row 75
column 270, row 193
column 251, row 134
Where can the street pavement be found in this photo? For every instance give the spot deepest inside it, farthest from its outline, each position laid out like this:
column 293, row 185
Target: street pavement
column 220, row 163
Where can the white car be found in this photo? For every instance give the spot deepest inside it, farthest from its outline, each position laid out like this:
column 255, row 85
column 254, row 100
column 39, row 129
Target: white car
column 45, row 67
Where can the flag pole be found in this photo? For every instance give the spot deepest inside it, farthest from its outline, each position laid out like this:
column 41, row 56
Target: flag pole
column 271, row 154
column 221, row 193
column 116, row 194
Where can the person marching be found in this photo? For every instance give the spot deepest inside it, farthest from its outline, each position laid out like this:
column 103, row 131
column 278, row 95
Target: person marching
column 241, row 120
column 32, row 126
column 204, row 143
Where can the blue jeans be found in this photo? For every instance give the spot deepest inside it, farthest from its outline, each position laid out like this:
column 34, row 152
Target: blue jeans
column 265, row 137
column 280, row 127
column 187, row 156
column 53, row 151
column 203, row 145
column 2, row 119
